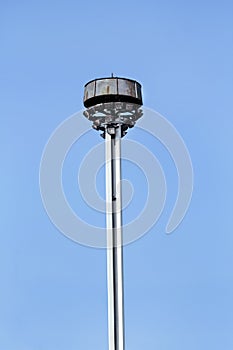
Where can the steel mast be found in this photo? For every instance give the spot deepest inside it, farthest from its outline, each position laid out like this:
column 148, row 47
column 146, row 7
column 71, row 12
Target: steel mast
column 113, row 105
column 114, row 238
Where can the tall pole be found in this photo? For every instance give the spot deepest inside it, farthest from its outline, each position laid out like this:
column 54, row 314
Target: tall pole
column 114, row 238
column 113, row 105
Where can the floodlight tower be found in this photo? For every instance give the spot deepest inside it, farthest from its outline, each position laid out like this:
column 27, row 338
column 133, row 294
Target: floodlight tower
column 113, row 105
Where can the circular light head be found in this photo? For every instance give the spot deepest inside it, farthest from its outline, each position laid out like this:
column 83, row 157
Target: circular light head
column 112, row 89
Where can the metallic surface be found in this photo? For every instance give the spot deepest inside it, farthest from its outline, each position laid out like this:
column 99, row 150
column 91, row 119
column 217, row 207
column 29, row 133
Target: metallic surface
column 113, row 113
column 114, row 238
column 113, row 105
column 112, row 89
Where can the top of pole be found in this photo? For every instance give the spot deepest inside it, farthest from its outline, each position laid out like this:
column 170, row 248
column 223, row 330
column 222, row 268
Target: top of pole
column 111, row 102
column 112, row 89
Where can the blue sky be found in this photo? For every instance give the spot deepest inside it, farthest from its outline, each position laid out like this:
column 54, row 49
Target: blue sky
column 178, row 288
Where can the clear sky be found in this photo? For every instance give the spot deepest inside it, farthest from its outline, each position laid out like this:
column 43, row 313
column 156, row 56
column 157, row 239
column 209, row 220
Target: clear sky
column 178, row 288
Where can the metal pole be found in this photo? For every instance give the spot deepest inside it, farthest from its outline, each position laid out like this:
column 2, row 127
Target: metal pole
column 114, row 238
